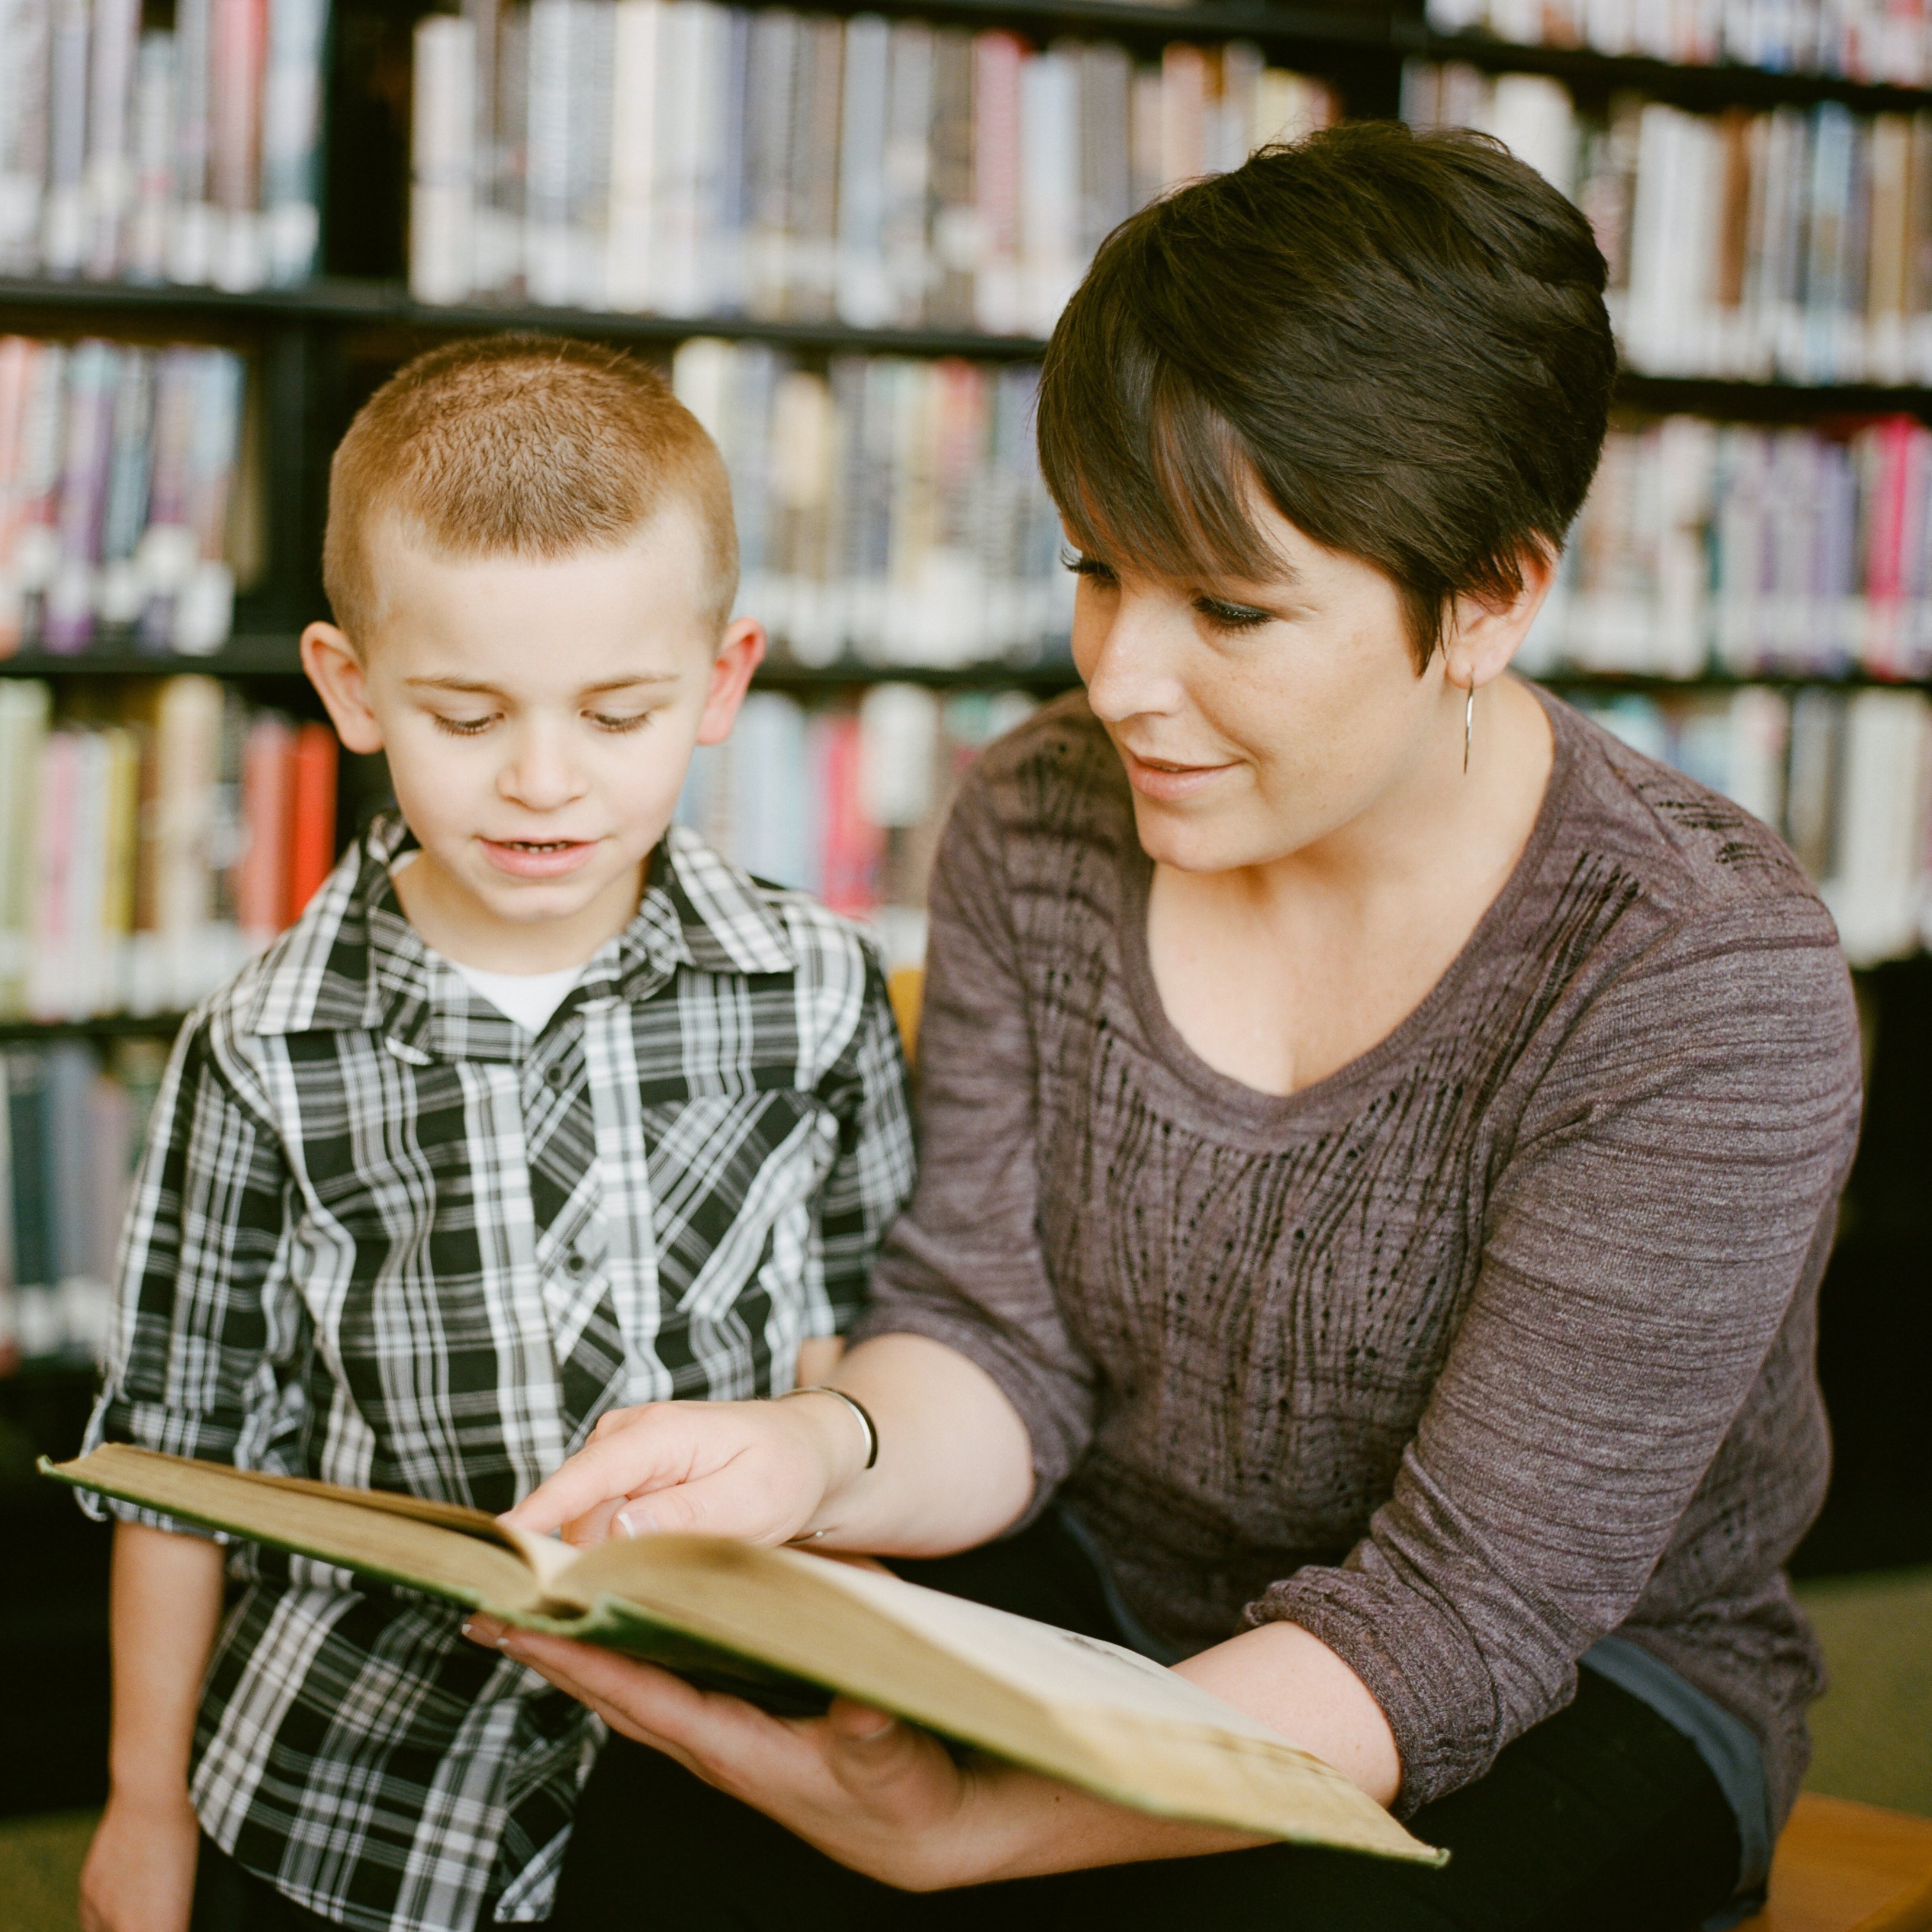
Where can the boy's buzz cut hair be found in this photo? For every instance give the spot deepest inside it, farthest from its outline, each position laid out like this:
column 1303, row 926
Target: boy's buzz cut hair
column 521, row 446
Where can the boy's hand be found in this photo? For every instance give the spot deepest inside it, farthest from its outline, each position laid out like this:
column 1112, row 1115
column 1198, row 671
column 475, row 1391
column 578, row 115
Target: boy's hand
column 139, row 1873
column 760, row 1471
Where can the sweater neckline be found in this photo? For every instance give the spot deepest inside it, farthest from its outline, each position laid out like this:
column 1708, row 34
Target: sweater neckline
column 1234, row 1100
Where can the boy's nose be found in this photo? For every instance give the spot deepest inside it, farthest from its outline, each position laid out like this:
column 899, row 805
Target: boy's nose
column 540, row 772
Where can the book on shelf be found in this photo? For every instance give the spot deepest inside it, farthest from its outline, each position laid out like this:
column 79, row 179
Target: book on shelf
column 1790, row 244
column 889, row 508
column 677, row 158
column 1867, row 41
column 143, row 859
column 185, row 153
column 121, row 497
column 789, row 1629
column 72, row 1117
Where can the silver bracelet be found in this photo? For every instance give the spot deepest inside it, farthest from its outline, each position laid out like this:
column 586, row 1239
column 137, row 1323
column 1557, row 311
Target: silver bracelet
column 857, row 1407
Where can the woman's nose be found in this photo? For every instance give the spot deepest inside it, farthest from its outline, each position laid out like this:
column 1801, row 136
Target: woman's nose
column 1128, row 665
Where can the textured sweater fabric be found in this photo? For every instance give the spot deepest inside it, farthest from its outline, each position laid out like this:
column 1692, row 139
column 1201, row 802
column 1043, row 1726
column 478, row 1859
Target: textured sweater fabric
column 1496, row 1341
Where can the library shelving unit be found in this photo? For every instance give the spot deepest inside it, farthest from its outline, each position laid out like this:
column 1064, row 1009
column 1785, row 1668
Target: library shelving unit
column 315, row 352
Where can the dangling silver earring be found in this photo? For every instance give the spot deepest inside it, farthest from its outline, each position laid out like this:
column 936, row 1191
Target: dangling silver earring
column 1469, row 727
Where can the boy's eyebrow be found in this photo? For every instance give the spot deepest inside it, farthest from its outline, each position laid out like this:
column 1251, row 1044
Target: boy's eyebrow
column 472, row 687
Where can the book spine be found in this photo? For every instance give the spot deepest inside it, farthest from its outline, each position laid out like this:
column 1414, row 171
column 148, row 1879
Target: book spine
column 997, row 303
column 64, row 213
column 907, row 160
column 120, row 593
column 291, row 137
column 443, row 160
column 311, row 816
column 238, row 31
column 204, row 609
column 92, row 374
column 153, row 160
column 191, row 237
column 864, row 296
column 259, row 888
column 25, row 52
column 109, row 190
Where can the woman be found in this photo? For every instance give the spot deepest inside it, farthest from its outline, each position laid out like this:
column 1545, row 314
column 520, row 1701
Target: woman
column 1381, row 1139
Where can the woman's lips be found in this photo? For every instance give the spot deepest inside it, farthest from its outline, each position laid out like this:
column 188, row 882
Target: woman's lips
column 537, row 858
column 1167, row 780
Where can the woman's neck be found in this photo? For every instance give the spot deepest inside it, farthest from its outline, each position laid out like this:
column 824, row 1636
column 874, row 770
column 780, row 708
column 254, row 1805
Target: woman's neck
column 1279, row 975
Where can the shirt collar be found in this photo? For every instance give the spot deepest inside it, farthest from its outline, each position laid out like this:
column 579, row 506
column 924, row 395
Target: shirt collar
column 697, row 911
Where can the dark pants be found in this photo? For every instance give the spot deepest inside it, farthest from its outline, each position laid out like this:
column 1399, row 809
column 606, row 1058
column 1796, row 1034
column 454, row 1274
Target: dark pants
column 1602, row 1819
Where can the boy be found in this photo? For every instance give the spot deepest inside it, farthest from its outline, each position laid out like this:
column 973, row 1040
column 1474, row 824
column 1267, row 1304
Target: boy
column 542, row 1109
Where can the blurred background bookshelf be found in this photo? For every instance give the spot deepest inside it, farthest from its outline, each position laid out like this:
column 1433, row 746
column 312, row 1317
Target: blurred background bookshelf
column 844, row 235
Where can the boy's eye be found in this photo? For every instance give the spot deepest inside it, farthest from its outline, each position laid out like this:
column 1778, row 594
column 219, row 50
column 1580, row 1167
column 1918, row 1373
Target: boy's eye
column 1225, row 617
column 612, row 721
column 463, row 728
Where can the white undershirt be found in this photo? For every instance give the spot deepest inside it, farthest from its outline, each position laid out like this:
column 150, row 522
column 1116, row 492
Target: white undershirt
column 528, row 998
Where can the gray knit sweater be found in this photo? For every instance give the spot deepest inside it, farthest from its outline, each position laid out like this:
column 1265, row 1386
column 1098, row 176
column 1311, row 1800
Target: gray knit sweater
column 1497, row 1340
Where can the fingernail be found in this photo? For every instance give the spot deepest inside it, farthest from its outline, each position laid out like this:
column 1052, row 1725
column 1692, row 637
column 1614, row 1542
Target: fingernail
column 885, row 1730
column 480, row 1633
column 635, row 1521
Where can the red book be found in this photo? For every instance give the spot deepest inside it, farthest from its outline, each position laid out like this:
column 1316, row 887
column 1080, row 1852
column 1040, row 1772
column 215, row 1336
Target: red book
column 853, row 847
column 311, row 816
column 261, row 884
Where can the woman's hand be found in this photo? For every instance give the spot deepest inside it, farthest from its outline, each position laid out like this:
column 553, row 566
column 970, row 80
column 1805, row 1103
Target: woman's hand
column 879, row 1796
column 761, row 1471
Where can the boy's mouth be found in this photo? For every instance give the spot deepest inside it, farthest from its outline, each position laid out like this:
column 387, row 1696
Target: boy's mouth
column 537, row 858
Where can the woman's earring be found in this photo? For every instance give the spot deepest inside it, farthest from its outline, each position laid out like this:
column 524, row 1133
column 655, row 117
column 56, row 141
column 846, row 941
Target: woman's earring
column 1469, row 727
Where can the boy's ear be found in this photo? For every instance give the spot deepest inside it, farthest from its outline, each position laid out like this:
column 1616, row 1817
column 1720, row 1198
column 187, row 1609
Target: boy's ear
column 337, row 672
column 738, row 655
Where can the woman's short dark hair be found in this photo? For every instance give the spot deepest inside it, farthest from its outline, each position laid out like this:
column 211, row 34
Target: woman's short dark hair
column 1401, row 337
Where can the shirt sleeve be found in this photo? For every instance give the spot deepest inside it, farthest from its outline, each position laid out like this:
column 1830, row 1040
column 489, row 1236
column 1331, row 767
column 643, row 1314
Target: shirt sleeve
column 872, row 1173
column 206, row 1320
column 963, row 1264
column 1673, row 1186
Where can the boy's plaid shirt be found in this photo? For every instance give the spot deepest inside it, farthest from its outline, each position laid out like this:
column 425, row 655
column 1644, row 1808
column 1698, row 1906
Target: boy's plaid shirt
column 382, row 1236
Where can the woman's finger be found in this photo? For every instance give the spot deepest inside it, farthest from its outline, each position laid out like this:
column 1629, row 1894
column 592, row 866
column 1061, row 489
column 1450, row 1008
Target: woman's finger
column 655, row 1448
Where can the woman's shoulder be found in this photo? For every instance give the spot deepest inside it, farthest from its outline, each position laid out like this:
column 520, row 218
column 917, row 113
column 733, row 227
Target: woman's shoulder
column 1699, row 860
column 1052, row 783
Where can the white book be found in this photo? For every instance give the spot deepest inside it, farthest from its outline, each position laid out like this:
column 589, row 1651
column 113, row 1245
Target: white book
column 629, row 270
column 153, row 159
column 1533, row 117
column 547, row 253
column 863, row 294
column 291, row 124
column 677, row 273
column 1648, row 321
column 1876, row 891
column 109, row 189
column 64, row 213
column 24, row 27
column 1050, row 184
column 1231, row 122
column 587, row 133
column 717, row 127
column 904, row 238
column 443, row 161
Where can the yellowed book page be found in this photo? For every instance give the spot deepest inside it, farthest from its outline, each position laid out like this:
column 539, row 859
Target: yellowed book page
column 1088, row 1711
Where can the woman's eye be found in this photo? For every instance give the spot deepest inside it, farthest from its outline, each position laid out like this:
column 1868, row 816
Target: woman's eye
column 463, row 728
column 1231, row 616
column 1085, row 566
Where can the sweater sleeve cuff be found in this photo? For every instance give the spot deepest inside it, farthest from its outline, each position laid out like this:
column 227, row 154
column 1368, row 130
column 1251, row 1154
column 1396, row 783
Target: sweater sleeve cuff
column 1418, row 1662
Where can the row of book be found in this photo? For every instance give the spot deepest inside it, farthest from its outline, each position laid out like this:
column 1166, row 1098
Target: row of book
column 1794, row 243
column 1873, row 40
column 1751, row 551
column 684, row 158
column 1845, row 777
column 149, row 846
column 72, row 1117
column 889, row 509
column 847, row 800
column 118, row 490
column 184, row 153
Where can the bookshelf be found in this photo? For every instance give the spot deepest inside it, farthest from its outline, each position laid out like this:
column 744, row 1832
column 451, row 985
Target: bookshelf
column 314, row 349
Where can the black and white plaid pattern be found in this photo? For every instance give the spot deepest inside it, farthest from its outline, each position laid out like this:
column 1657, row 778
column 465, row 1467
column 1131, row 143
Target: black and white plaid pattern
column 382, row 1236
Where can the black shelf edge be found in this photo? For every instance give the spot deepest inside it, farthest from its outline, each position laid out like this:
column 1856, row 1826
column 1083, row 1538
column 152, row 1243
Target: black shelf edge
column 1642, row 684
column 1712, row 82
column 1054, row 676
column 240, row 657
column 1778, row 401
column 104, row 1026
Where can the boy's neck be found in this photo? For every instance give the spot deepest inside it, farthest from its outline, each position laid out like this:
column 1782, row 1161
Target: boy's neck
column 450, row 919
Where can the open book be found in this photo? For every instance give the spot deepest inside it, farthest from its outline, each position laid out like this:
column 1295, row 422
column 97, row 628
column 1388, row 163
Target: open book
column 784, row 1628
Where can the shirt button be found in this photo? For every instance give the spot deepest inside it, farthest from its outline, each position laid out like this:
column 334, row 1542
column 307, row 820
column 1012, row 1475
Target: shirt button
column 558, row 1074
column 575, row 1264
